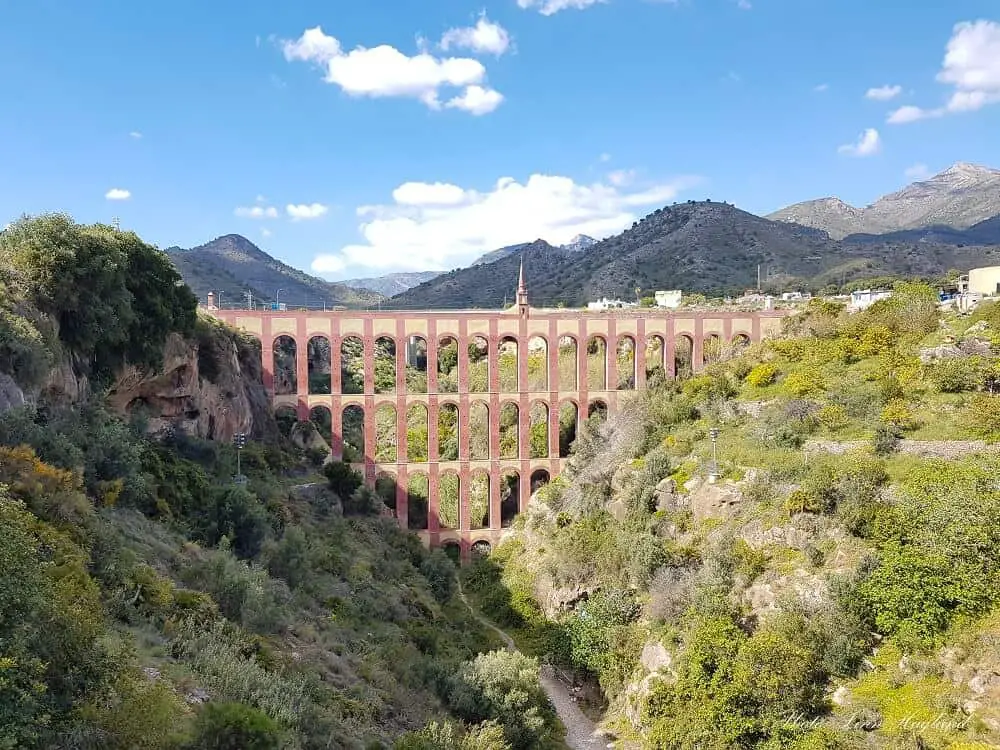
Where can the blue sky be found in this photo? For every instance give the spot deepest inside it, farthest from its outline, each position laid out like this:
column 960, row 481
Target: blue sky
column 516, row 119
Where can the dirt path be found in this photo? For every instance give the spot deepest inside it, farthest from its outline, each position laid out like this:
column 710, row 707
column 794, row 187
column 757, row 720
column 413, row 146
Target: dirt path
column 581, row 732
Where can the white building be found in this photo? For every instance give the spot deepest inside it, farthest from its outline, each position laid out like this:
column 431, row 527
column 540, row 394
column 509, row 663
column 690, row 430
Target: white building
column 671, row 299
column 865, row 298
column 984, row 281
column 608, row 304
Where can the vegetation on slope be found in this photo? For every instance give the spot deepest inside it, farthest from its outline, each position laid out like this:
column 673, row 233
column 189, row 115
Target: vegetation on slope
column 833, row 589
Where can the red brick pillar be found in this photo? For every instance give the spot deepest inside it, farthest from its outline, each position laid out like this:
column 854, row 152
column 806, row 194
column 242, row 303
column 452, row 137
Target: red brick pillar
column 639, row 355
column 755, row 328
column 698, row 347
column 727, row 330
column 337, row 423
column 368, row 340
column 432, row 355
column 463, row 399
column 302, row 367
column 669, row 350
column 402, row 497
column 612, row 370
column 582, row 385
column 433, row 504
column 494, row 388
column 267, row 354
column 554, row 391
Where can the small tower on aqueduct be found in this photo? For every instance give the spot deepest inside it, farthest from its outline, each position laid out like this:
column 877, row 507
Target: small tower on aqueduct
column 522, row 292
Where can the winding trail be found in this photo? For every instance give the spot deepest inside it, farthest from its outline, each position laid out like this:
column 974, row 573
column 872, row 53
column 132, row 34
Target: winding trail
column 581, row 732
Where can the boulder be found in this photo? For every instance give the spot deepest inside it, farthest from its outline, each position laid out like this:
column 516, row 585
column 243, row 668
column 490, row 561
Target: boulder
column 11, row 396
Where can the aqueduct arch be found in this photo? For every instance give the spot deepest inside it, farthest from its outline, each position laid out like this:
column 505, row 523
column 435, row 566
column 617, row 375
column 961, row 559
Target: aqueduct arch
column 491, row 387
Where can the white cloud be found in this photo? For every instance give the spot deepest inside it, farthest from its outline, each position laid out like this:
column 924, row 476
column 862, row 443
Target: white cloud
column 302, row 211
column 605, row 157
column 118, row 194
column 441, row 226
column 485, row 37
column 260, row 198
column 743, row 4
column 621, row 177
column 917, row 172
column 868, row 144
column 265, row 232
column 884, row 93
column 256, row 212
column 548, row 7
column 135, row 134
column 821, row 88
column 971, row 65
column 385, row 71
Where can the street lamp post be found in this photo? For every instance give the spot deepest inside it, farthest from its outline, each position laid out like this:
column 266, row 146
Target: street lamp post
column 277, row 303
column 240, row 441
column 713, row 474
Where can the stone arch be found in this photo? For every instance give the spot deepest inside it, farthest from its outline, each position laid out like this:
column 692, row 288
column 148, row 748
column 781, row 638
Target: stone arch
column 447, row 364
column 287, row 417
column 538, row 430
column 318, row 355
column 449, row 500
column 417, row 501
column 448, row 427
column 479, row 499
column 385, row 364
column 625, row 363
column 416, row 364
column 569, row 423
column 510, row 437
column 741, row 340
column 322, row 419
column 385, row 434
column 510, row 496
column 481, row 548
column 539, row 478
column 598, row 408
column 353, row 432
column 597, row 363
column 416, row 433
column 352, row 365
column 479, row 431
column 508, row 352
column 385, row 489
column 711, row 349
column 683, row 355
column 654, row 358
column 454, row 551
column 538, row 363
column 479, row 365
column 568, row 363
column 286, row 377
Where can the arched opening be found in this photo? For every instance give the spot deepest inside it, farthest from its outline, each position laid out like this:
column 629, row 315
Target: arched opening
column 479, row 431
column 448, row 500
column 510, row 496
column 447, row 365
column 318, row 353
column 507, row 363
column 479, row 500
column 625, row 363
column 598, row 409
column 353, row 432
column 416, row 433
column 509, row 437
column 416, row 364
column 538, row 430
column 481, row 548
column 741, row 341
column 655, row 351
column 385, row 489
column 538, row 364
column 569, row 417
column 322, row 420
column 352, row 365
column 385, row 365
column 287, row 418
column 683, row 355
column 448, row 437
column 385, row 434
column 597, row 364
column 416, row 502
column 568, row 364
column 479, row 365
column 539, row 478
column 454, row 551
column 712, row 349
column 285, row 372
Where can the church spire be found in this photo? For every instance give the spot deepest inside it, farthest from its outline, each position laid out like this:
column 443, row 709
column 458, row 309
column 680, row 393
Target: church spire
column 522, row 290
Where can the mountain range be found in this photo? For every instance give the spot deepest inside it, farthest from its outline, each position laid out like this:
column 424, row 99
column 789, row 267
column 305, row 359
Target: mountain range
column 925, row 229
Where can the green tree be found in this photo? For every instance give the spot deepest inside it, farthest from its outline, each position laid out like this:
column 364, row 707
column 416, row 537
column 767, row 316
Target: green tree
column 235, row 726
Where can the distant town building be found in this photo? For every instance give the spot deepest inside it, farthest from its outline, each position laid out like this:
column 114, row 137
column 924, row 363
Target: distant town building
column 865, row 298
column 671, row 299
column 608, row 304
column 794, row 296
column 985, row 281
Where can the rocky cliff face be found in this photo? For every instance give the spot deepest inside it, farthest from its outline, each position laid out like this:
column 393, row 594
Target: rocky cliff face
column 211, row 388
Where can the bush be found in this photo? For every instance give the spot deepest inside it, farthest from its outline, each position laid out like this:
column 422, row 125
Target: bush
column 439, row 571
column 886, row 439
column 833, row 417
column 343, row 478
column 983, row 416
column 897, row 413
column 958, row 374
column 804, row 381
column 762, row 375
column 234, row 726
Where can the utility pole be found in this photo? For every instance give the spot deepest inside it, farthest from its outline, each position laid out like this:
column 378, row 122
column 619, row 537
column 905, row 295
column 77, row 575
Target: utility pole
column 277, row 305
column 240, row 441
column 758, row 278
column 116, row 223
column 249, row 296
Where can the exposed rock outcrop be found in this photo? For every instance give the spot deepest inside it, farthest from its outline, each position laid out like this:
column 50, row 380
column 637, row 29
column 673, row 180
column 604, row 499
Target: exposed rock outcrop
column 10, row 395
column 212, row 389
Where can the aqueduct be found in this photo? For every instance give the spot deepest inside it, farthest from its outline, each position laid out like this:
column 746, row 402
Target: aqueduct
column 401, row 394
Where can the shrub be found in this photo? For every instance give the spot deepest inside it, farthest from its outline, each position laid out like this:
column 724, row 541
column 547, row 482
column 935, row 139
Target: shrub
column 958, row 374
column 804, row 381
column 983, row 416
column 235, row 726
column 762, row 375
column 439, row 571
column 343, row 478
column 897, row 413
column 885, row 440
column 833, row 417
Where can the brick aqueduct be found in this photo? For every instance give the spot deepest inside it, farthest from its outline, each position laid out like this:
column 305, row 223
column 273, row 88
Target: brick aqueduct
column 579, row 386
